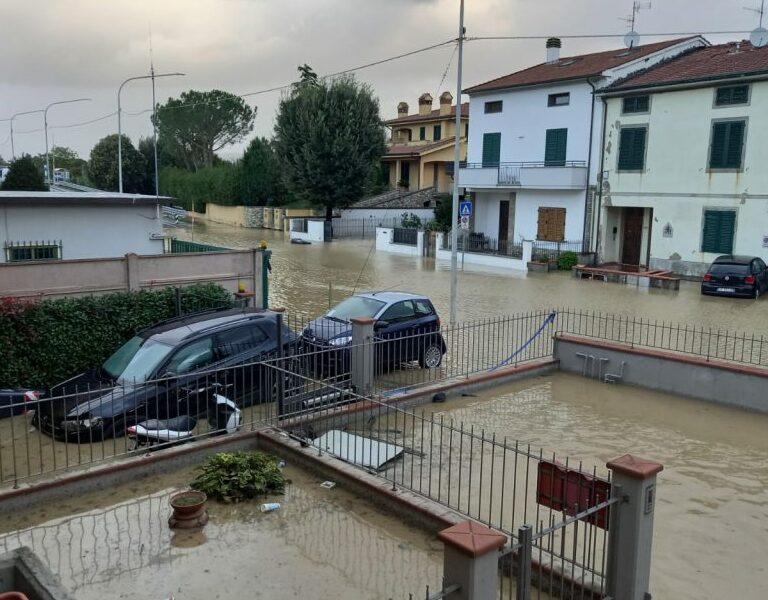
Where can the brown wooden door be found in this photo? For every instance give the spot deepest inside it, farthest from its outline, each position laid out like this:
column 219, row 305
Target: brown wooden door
column 633, row 236
column 551, row 226
column 503, row 221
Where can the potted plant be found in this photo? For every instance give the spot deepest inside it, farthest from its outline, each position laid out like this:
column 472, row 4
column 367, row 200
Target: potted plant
column 539, row 263
column 188, row 510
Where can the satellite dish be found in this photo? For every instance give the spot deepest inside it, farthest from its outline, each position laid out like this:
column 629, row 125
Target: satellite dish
column 632, row 39
column 759, row 37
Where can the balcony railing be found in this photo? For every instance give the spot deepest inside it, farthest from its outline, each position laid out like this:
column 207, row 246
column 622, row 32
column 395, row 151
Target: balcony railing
column 567, row 174
column 479, row 243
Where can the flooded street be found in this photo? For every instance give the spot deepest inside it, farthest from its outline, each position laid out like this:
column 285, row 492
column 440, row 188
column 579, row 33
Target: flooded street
column 711, row 522
column 320, row 544
column 301, row 276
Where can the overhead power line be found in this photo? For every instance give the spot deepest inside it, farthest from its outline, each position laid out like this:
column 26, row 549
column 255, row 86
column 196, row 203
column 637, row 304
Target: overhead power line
column 602, row 35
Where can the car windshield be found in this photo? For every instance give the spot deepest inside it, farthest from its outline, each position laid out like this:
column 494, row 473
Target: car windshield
column 355, row 306
column 135, row 361
column 728, row 268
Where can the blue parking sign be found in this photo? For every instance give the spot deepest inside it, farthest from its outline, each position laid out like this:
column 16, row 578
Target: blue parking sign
column 465, row 208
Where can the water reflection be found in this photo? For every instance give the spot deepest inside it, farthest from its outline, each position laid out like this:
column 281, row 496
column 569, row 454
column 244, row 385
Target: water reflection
column 306, row 278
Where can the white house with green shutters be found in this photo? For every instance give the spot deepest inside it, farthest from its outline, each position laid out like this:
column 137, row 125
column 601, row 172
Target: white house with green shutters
column 534, row 146
column 685, row 161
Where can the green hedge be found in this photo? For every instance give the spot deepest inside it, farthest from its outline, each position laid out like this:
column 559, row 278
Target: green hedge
column 42, row 343
column 221, row 184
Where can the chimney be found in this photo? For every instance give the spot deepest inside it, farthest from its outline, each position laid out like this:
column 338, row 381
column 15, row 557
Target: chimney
column 402, row 110
column 446, row 99
column 553, row 50
column 425, row 104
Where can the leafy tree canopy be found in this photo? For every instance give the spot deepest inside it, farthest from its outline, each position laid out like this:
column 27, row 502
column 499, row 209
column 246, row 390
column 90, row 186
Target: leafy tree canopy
column 102, row 168
column 262, row 183
column 329, row 139
column 198, row 124
column 24, row 176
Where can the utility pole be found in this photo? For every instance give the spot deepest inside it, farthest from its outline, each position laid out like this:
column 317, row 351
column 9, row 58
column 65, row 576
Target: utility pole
column 45, row 125
column 456, row 165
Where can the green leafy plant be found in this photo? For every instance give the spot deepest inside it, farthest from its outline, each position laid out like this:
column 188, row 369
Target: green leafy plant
column 410, row 221
column 237, row 476
column 567, row 261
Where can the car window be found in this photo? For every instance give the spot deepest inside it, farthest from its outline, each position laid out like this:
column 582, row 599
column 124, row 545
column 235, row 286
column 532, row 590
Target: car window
column 760, row 264
column 728, row 269
column 193, row 356
column 238, row 340
column 400, row 311
column 423, row 308
column 355, row 306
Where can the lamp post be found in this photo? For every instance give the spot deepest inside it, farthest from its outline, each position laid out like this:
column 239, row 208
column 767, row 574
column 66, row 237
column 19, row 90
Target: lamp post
column 151, row 76
column 11, row 118
column 45, row 125
column 456, row 167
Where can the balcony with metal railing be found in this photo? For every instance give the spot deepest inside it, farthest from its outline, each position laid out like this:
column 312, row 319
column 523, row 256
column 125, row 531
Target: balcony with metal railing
column 563, row 175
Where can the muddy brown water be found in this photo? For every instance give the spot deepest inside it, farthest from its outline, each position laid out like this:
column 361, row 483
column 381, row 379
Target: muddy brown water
column 320, row 544
column 711, row 521
column 302, row 273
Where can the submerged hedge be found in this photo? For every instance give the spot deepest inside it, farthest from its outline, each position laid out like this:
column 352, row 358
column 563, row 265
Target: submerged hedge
column 42, row 343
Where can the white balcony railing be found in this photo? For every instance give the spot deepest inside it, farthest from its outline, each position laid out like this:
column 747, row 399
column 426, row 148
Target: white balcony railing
column 536, row 175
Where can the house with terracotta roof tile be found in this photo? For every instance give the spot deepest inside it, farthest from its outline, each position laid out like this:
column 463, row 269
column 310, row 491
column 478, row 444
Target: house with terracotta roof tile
column 534, row 146
column 421, row 145
column 685, row 161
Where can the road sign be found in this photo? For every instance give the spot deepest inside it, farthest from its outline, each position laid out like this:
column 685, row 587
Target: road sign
column 465, row 208
column 465, row 222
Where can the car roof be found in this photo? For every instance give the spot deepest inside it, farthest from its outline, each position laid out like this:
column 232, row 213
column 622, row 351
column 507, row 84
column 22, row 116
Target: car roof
column 392, row 296
column 176, row 330
column 732, row 259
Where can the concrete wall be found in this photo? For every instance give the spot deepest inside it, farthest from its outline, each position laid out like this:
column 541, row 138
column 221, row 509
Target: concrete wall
column 378, row 215
column 724, row 383
column 488, row 260
column 384, row 243
column 315, row 231
column 84, row 277
column 676, row 182
column 92, row 231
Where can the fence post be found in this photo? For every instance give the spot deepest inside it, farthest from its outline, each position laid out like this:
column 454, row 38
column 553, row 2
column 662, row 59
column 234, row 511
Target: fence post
column 631, row 527
column 362, row 359
column 471, row 560
column 524, row 560
column 527, row 251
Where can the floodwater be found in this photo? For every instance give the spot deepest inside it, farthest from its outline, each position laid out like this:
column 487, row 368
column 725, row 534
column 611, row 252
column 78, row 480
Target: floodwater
column 711, row 521
column 305, row 276
column 320, row 544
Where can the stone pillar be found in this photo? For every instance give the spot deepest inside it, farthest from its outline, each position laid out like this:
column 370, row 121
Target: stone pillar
column 527, row 251
column 631, row 527
column 362, row 360
column 133, row 279
column 471, row 560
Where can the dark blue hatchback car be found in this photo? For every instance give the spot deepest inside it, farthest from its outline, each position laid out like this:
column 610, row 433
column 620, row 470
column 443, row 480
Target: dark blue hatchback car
column 407, row 329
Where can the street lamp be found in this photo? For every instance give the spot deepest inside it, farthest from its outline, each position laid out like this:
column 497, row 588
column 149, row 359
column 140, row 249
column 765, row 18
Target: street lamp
column 12, row 117
column 45, row 124
column 151, row 76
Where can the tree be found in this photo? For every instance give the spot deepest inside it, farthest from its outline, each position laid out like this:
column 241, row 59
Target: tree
column 65, row 158
column 262, row 184
column 198, row 124
column 329, row 138
column 24, row 176
column 102, row 168
column 308, row 75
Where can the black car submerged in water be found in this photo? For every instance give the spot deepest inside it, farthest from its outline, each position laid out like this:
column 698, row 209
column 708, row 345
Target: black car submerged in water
column 166, row 371
column 741, row 276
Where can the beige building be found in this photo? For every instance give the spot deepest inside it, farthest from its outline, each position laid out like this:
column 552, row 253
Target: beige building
column 421, row 147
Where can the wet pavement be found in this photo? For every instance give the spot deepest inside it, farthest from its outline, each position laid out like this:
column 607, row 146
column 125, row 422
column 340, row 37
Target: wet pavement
column 320, row 544
column 711, row 523
column 303, row 278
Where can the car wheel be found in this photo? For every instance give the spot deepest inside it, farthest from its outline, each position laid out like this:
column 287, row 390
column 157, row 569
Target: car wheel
column 431, row 357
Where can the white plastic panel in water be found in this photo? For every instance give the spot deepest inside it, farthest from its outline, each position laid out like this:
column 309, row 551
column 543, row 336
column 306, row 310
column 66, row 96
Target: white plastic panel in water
column 356, row 449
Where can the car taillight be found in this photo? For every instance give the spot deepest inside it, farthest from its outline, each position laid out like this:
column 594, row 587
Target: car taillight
column 707, row 276
column 750, row 279
column 438, row 322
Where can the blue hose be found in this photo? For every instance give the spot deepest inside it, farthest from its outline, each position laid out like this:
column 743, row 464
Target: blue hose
column 550, row 319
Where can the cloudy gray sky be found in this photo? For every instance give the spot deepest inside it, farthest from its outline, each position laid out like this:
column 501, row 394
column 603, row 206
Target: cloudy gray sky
column 60, row 49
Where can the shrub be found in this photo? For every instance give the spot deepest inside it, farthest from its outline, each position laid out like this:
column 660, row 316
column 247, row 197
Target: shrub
column 42, row 343
column 567, row 261
column 410, row 221
column 236, row 476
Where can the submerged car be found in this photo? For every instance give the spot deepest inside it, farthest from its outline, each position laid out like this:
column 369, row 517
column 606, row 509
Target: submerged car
column 166, row 371
column 406, row 329
column 741, row 276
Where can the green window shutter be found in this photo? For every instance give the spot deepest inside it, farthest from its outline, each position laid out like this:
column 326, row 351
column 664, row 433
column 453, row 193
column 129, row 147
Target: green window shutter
column 632, row 148
column 719, row 226
column 727, row 145
column 555, row 147
column 636, row 104
column 726, row 96
column 491, row 149
column 437, row 132
column 422, row 133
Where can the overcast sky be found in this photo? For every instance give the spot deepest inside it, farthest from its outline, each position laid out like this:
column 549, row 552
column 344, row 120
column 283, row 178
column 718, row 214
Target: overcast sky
column 62, row 49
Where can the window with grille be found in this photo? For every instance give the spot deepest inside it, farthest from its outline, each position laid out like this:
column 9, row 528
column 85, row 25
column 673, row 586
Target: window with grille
column 551, row 225
column 726, row 150
column 496, row 106
column 731, row 95
column 18, row 252
column 636, row 104
column 718, row 231
column 632, row 148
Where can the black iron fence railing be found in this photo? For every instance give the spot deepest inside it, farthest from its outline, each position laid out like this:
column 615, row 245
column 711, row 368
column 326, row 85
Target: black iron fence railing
column 480, row 243
column 405, row 236
column 550, row 251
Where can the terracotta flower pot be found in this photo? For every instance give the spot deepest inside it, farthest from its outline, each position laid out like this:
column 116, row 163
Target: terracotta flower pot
column 188, row 510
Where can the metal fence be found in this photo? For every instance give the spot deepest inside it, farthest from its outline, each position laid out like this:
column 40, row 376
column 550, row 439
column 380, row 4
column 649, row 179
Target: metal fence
column 405, row 236
column 361, row 228
column 546, row 251
column 480, row 243
column 174, row 246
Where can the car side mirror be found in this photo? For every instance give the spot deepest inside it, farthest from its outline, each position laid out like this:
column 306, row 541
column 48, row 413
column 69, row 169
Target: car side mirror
column 380, row 325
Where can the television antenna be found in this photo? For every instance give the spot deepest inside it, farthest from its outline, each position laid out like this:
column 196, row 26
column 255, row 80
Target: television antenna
column 632, row 39
column 759, row 36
